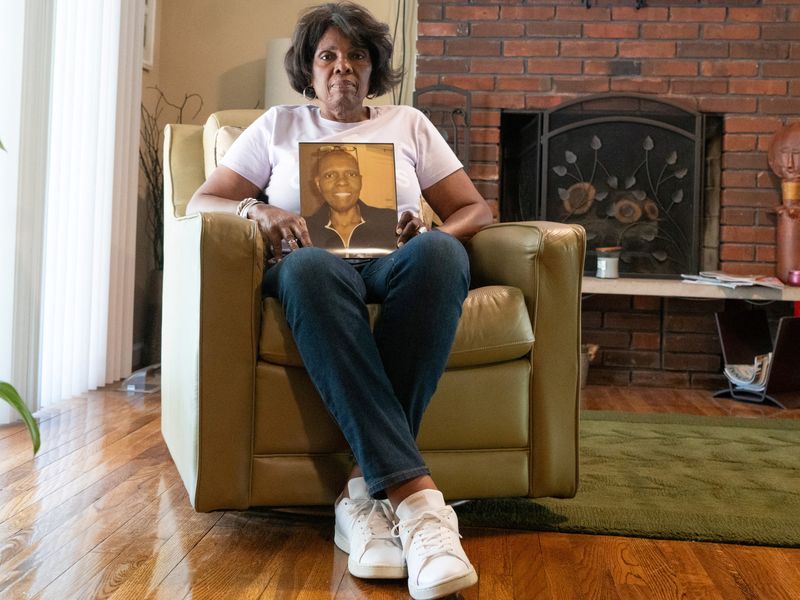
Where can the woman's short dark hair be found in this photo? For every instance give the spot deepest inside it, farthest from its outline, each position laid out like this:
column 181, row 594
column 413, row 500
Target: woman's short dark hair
column 360, row 27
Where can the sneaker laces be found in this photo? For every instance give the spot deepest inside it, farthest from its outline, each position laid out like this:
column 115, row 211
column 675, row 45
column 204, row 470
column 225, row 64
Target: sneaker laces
column 373, row 515
column 435, row 533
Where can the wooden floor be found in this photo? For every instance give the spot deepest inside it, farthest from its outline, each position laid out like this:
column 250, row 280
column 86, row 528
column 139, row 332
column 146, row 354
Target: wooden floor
column 101, row 513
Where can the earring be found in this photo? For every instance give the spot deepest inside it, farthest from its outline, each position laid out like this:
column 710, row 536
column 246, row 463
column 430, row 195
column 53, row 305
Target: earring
column 309, row 93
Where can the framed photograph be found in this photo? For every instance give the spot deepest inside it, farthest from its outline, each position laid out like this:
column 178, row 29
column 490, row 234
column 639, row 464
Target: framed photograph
column 149, row 33
column 348, row 196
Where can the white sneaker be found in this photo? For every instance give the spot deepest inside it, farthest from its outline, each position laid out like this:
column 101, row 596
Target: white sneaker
column 364, row 530
column 428, row 530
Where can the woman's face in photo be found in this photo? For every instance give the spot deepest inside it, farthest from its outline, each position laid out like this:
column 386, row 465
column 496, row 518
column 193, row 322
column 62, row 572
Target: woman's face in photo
column 339, row 180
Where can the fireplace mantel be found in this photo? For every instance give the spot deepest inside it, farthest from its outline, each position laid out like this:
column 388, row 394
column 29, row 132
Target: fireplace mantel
column 675, row 288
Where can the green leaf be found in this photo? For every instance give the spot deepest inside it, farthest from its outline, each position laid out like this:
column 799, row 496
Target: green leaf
column 10, row 395
column 3, row 148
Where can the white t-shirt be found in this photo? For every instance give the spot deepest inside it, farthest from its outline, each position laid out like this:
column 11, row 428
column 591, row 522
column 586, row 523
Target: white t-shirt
column 267, row 155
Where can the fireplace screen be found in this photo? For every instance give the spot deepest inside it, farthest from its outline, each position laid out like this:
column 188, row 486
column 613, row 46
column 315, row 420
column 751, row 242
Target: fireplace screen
column 629, row 170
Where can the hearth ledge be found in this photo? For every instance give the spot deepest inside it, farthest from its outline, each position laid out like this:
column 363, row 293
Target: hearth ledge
column 675, row 288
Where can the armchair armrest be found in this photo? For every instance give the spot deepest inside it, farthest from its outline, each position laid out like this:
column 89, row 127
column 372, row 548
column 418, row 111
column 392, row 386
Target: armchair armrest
column 545, row 261
column 183, row 167
column 213, row 264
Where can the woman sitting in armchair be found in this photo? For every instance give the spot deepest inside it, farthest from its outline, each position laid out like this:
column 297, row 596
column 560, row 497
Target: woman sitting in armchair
column 390, row 517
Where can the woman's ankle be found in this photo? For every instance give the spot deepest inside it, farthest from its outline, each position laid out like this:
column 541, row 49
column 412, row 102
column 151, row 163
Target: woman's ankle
column 399, row 492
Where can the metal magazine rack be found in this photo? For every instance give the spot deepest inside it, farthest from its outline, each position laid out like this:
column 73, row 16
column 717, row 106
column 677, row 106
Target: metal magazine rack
column 745, row 335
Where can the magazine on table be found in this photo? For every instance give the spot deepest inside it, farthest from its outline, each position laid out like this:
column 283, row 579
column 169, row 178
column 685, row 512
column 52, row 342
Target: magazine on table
column 721, row 279
column 348, row 197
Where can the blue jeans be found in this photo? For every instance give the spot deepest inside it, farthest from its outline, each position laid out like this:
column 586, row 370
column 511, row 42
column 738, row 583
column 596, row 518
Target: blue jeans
column 376, row 384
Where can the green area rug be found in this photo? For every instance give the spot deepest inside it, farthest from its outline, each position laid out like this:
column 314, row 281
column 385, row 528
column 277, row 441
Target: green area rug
column 677, row 477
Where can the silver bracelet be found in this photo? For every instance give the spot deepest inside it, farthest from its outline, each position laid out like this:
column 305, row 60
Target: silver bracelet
column 245, row 205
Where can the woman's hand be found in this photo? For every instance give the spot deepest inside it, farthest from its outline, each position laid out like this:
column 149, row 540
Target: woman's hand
column 224, row 189
column 408, row 226
column 277, row 224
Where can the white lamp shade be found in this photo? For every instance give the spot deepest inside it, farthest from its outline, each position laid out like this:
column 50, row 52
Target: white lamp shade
column 277, row 89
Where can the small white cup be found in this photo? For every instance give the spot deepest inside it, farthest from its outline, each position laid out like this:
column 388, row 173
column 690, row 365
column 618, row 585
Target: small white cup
column 607, row 267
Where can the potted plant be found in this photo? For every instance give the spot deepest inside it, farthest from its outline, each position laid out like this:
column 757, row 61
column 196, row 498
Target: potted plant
column 12, row 397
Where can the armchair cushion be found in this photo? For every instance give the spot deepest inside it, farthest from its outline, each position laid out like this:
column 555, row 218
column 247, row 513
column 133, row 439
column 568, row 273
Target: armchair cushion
column 494, row 327
column 221, row 130
column 223, row 139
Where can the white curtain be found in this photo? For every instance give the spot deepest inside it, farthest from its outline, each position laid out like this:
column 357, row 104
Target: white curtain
column 12, row 28
column 35, row 61
column 86, row 314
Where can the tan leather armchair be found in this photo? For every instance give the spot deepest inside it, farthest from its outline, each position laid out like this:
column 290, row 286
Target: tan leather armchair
column 245, row 425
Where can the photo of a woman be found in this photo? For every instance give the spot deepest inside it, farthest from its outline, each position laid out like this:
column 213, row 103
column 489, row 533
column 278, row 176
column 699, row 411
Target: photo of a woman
column 345, row 223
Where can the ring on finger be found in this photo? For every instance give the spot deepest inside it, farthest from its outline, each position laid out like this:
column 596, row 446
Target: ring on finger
column 422, row 229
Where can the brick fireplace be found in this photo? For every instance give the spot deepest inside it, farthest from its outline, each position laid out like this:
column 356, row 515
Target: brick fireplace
column 738, row 60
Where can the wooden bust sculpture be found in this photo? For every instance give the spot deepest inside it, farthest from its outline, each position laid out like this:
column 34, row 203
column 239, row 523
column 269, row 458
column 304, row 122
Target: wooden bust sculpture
column 784, row 160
